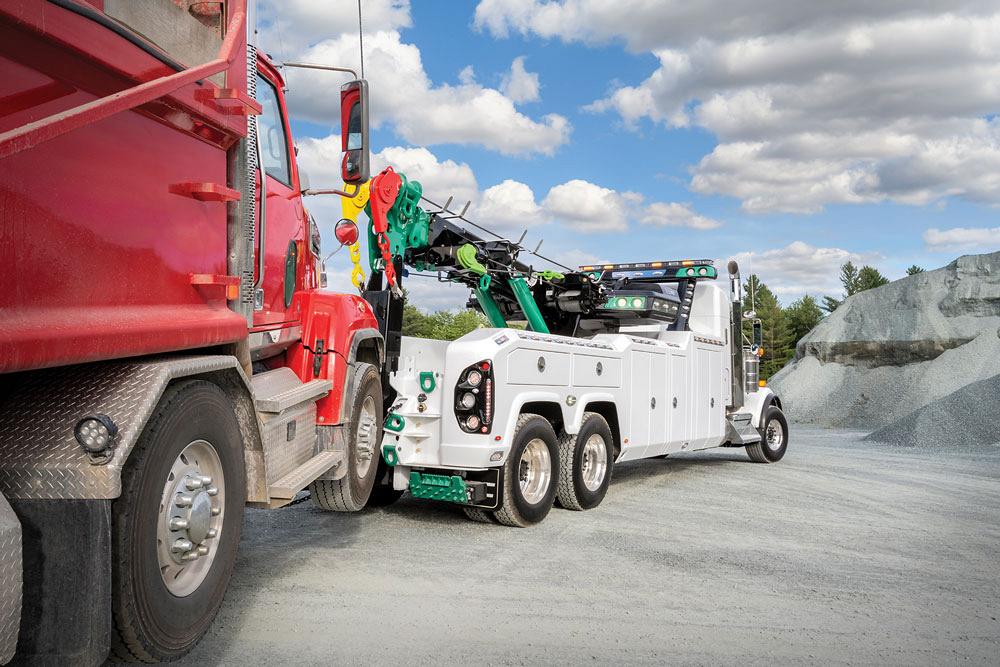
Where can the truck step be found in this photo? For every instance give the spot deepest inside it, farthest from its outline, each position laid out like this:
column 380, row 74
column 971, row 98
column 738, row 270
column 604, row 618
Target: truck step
column 298, row 479
column 739, row 430
column 276, row 391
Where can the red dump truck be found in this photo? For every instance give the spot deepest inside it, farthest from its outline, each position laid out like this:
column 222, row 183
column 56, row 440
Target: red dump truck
column 167, row 356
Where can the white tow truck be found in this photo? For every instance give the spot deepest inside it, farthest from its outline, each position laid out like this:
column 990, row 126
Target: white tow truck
column 505, row 421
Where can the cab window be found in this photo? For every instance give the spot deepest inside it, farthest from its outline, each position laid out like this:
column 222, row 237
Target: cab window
column 273, row 143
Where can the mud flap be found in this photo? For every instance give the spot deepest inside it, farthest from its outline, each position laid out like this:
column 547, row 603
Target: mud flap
column 66, row 614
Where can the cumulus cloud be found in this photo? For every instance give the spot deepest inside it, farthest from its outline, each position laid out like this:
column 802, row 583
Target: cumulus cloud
column 959, row 239
column 675, row 215
column 812, row 103
column 800, row 268
column 519, row 84
column 420, row 110
column 586, row 207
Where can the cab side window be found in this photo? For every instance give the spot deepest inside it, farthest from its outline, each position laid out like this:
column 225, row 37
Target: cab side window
column 273, row 142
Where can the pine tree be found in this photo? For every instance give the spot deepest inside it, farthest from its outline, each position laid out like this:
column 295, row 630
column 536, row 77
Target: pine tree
column 802, row 315
column 777, row 338
column 914, row 270
column 849, row 278
column 870, row 278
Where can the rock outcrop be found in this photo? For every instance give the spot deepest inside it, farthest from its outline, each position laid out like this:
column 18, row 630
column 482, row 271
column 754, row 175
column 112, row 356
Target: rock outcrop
column 890, row 351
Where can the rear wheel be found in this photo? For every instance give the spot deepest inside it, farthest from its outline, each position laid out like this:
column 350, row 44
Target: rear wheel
column 530, row 473
column 350, row 493
column 773, row 438
column 176, row 525
column 585, row 462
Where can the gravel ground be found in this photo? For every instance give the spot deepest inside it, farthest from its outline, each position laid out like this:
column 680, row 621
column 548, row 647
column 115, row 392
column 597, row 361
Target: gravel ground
column 845, row 552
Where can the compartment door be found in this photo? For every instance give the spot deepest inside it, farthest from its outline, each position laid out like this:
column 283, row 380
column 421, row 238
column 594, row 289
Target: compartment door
column 679, row 406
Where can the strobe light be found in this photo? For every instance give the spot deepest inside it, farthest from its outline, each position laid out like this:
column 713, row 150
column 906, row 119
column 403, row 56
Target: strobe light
column 474, row 378
column 96, row 434
column 468, row 400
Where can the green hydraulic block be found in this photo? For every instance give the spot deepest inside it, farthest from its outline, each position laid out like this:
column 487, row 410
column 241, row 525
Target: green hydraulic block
column 439, row 487
column 527, row 302
column 491, row 309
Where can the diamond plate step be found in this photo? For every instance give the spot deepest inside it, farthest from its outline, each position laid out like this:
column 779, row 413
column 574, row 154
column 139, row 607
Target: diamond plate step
column 739, row 430
column 276, row 391
column 298, row 479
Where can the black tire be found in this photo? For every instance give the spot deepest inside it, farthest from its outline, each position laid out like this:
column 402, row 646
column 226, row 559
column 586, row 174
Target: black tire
column 150, row 623
column 479, row 515
column 516, row 510
column 383, row 494
column 760, row 452
column 350, row 493
column 572, row 491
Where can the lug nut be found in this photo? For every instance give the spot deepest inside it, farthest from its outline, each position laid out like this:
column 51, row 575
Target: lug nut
column 191, row 555
column 181, row 545
column 212, row 491
column 202, row 550
column 212, row 532
column 216, row 511
column 194, row 483
column 178, row 523
column 183, row 500
column 206, row 480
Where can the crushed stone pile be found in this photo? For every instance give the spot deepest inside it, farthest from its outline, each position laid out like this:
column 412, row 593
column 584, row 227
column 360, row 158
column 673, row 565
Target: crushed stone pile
column 888, row 352
column 959, row 420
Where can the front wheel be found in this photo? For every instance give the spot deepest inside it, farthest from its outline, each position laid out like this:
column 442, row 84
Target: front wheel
column 176, row 525
column 530, row 473
column 773, row 438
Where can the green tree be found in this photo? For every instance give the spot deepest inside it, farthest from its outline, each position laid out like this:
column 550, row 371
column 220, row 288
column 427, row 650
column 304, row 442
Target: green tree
column 831, row 304
column 914, row 270
column 849, row 278
column 440, row 325
column 802, row 316
column 870, row 278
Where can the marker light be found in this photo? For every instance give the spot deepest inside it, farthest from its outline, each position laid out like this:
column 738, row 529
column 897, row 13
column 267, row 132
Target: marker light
column 637, row 302
column 468, row 401
column 96, row 433
column 622, row 302
column 472, row 422
column 703, row 271
column 474, row 378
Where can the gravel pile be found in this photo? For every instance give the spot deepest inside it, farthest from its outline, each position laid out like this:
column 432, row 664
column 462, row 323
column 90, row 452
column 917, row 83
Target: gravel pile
column 888, row 352
column 965, row 419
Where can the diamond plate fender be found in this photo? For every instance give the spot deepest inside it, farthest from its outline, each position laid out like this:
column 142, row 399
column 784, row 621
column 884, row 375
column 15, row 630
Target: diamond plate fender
column 10, row 580
column 39, row 455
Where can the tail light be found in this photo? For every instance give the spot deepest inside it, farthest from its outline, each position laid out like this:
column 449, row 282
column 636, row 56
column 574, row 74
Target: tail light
column 474, row 398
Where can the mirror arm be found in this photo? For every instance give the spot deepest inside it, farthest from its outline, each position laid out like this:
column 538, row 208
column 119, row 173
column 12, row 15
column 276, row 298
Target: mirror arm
column 325, row 67
column 349, row 195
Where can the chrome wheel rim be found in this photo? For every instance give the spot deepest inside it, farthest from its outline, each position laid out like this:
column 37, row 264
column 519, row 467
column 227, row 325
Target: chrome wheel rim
column 364, row 447
column 535, row 471
column 189, row 523
column 595, row 462
column 774, row 436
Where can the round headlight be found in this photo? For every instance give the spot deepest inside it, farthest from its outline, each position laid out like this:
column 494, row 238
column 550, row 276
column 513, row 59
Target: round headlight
column 621, row 303
column 637, row 302
column 472, row 422
column 468, row 400
column 474, row 378
column 703, row 271
column 690, row 272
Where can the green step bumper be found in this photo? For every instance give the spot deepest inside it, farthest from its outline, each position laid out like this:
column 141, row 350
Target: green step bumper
column 439, row 487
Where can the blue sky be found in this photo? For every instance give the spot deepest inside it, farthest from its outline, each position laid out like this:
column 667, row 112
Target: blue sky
column 661, row 168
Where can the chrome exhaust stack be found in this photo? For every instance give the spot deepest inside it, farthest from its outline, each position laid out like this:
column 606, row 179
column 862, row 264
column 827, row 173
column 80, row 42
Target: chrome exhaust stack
column 736, row 337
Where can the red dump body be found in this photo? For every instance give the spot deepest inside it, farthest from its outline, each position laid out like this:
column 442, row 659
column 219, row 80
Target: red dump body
column 97, row 253
column 113, row 234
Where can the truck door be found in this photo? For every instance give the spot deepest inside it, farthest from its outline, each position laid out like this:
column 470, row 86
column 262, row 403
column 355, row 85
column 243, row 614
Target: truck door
column 284, row 218
column 679, row 406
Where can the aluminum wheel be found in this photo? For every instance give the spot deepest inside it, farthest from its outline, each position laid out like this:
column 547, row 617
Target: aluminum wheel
column 774, row 436
column 535, row 471
column 364, row 448
column 189, row 523
column 595, row 462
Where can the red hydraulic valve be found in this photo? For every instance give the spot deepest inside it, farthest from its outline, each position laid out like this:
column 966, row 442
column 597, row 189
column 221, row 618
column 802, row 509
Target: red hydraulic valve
column 382, row 195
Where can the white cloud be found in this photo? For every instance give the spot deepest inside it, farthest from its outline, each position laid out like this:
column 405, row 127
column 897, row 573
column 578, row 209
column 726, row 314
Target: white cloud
column 440, row 179
column 286, row 25
column 508, row 206
column 960, row 239
column 813, row 103
column 420, row 111
column 586, row 207
column 800, row 268
column 519, row 84
column 675, row 215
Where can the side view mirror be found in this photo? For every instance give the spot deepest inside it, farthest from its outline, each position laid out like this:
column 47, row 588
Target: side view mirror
column 346, row 232
column 354, row 131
